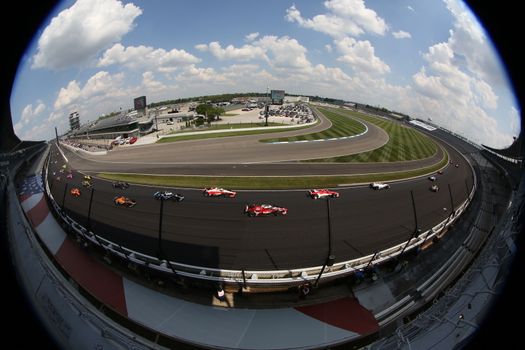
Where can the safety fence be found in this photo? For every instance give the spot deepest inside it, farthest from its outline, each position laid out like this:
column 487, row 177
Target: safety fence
column 257, row 277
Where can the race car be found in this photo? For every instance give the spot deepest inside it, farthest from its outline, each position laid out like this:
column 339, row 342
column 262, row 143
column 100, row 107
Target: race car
column 434, row 188
column 264, row 209
column 120, row 184
column 218, row 192
column 87, row 184
column 75, row 192
column 432, row 178
column 165, row 195
column 87, row 177
column 457, row 165
column 379, row 186
column 440, row 172
column 316, row 194
column 69, row 175
column 121, row 201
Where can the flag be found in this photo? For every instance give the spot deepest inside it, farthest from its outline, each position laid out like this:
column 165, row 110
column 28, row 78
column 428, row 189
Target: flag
column 31, row 185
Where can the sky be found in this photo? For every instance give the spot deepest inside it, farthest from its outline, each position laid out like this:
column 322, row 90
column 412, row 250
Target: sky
column 427, row 58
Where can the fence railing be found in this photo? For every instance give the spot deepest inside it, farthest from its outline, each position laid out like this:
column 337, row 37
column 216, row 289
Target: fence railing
column 256, row 277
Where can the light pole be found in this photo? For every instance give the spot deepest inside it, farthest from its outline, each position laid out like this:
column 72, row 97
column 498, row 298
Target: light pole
column 330, row 259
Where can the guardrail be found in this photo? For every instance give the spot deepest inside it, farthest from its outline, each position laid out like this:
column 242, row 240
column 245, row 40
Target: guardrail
column 256, row 277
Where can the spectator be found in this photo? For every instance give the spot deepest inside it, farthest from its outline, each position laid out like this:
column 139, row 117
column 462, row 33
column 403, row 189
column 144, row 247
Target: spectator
column 304, row 290
column 220, row 293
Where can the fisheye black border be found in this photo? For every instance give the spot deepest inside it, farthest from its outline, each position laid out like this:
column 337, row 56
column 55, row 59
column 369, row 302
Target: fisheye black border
column 21, row 20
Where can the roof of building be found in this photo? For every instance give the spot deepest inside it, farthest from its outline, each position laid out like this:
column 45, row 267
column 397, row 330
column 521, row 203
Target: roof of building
column 515, row 150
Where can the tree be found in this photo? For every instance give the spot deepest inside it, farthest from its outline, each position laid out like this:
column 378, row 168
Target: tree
column 209, row 111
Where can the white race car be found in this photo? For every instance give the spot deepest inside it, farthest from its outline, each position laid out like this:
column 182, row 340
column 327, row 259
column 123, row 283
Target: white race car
column 218, row 192
column 379, row 186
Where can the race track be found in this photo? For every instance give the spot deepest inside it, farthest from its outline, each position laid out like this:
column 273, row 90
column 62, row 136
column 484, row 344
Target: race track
column 214, row 232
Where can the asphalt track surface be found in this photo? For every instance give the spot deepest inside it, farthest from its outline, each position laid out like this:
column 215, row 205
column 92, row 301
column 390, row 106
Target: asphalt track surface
column 241, row 149
column 246, row 156
column 214, row 232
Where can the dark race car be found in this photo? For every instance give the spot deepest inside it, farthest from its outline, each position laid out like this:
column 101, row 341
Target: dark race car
column 121, row 201
column 120, row 184
column 166, row 195
column 264, row 209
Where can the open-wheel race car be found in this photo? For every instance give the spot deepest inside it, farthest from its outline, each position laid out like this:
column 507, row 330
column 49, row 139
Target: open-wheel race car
column 379, row 186
column 218, row 192
column 87, row 184
column 264, row 209
column 120, row 184
column 166, row 195
column 75, row 192
column 121, row 201
column 316, row 194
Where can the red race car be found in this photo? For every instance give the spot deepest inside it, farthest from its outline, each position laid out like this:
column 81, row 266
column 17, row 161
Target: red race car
column 75, row 192
column 218, row 192
column 264, row 209
column 316, row 194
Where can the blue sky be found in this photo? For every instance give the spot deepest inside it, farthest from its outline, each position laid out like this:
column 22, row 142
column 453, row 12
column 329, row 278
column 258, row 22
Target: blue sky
column 429, row 59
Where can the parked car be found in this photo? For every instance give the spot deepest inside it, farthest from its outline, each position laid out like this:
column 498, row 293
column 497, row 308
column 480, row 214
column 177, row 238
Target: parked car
column 132, row 140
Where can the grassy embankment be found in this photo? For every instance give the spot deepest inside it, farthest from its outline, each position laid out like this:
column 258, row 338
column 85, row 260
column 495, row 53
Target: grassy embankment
column 341, row 127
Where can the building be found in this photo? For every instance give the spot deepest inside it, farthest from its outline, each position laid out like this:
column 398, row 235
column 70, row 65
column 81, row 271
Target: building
column 74, row 121
column 295, row 99
column 277, row 96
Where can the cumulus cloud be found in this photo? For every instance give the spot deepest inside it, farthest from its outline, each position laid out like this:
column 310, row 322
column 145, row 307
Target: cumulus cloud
column 279, row 52
column 78, row 33
column 344, row 17
column 146, row 57
column 252, row 36
column 200, row 74
column 29, row 113
column 149, row 82
column 360, row 55
column 244, row 53
column 284, row 52
column 328, row 48
column 469, row 40
column 411, row 8
column 101, row 84
column 456, row 97
column 401, row 34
